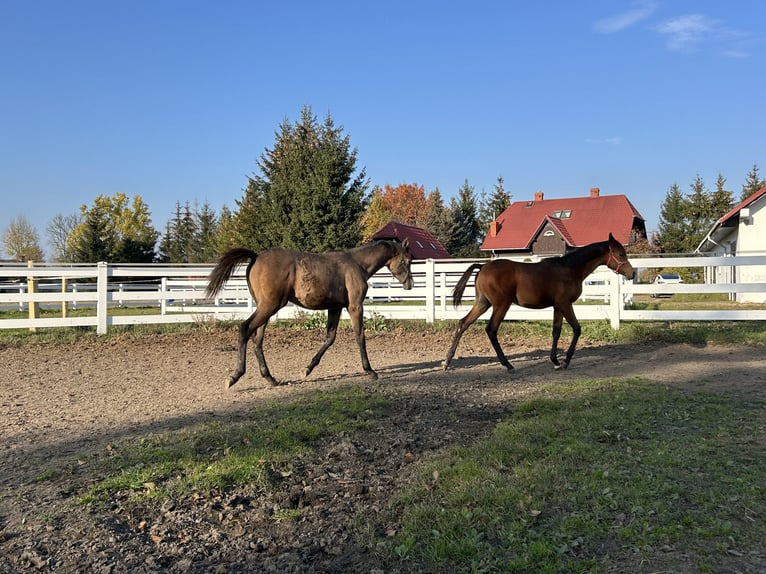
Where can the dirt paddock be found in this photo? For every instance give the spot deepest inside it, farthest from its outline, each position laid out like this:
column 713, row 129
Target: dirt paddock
column 60, row 403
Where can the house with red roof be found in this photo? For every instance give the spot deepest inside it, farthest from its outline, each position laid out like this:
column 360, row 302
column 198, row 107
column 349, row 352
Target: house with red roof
column 422, row 244
column 740, row 231
column 546, row 227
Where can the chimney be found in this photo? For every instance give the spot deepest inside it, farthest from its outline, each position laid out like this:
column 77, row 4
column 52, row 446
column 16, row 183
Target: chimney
column 494, row 228
column 594, row 191
column 538, row 196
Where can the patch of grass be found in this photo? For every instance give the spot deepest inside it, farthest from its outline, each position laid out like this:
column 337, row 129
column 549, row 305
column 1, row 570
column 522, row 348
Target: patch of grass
column 214, row 456
column 599, row 476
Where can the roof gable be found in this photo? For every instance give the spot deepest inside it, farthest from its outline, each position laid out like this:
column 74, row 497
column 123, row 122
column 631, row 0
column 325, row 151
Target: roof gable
column 743, row 204
column 422, row 244
column 579, row 220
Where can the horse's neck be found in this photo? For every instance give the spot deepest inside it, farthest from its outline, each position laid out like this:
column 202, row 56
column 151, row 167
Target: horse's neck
column 593, row 256
column 372, row 258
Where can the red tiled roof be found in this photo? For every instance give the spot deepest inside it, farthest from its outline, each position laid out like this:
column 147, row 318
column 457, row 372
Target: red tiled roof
column 422, row 244
column 591, row 219
column 742, row 204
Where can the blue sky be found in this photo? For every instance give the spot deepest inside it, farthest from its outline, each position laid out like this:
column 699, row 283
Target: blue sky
column 176, row 100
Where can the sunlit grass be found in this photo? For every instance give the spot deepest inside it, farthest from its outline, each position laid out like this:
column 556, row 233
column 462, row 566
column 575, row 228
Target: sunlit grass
column 601, row 475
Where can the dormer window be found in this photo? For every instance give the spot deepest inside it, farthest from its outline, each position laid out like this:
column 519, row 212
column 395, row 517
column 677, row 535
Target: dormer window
column 563, row 214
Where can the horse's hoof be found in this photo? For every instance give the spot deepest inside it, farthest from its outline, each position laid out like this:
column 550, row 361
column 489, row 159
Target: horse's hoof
column 445, row 365
column 373, row 375
column 272, row 381
column 510, row 368
column 230, row 383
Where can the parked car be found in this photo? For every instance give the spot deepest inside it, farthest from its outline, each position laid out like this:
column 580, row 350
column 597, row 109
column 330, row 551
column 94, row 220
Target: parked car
column 666, row 279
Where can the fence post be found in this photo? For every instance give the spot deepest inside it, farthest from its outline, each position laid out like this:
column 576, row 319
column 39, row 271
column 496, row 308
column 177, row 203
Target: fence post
column 164, row 297
column 64, row 305
column 615, row 300
column 34, row 306
column 430, row 291
column 102, row 308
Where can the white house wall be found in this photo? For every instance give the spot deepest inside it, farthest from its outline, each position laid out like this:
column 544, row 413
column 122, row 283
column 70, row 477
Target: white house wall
column 752, row 241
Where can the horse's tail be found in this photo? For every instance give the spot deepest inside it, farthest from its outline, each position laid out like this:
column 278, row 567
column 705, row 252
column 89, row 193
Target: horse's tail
column 223, row 270
column 457, row 293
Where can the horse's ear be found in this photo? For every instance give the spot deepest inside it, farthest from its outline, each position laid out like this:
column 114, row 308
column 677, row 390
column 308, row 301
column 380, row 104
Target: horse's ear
column 406, row 243
column 611, row 237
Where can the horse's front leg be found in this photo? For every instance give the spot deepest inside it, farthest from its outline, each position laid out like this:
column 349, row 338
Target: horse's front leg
column 558, row 318
column 357, row 321
column 576, row 330
column 333, row 318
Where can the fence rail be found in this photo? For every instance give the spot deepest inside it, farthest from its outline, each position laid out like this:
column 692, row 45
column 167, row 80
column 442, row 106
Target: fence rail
column 178, row 291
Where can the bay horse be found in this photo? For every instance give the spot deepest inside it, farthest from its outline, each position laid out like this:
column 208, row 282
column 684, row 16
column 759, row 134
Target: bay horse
column 552, row 282
column 329, row 281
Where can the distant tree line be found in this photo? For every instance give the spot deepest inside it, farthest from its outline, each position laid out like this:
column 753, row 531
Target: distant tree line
column 685, row 218
column 309, row 194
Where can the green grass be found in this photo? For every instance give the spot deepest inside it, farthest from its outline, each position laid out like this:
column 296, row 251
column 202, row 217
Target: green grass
column 214, row 456
column 599, row 476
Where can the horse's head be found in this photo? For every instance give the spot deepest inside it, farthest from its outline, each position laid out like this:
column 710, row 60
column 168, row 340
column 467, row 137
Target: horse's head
column 400, row 263
column 617, row 259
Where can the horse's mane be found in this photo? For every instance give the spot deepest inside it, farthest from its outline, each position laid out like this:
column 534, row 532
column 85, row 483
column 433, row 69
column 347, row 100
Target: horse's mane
column 584, row 253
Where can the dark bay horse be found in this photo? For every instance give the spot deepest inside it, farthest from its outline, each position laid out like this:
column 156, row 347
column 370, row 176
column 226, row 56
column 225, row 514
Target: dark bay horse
column 333, row 281
column 553, row 282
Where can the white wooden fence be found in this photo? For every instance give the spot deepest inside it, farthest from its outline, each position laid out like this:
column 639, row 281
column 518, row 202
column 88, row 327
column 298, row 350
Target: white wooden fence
column 178, row 292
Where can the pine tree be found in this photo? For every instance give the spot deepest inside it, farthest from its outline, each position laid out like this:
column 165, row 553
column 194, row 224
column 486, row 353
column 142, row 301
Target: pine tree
column 306, row 196
column 752, row 184
column 465, row 230
column 671, row 227
column 114, row 229
column 437, row 219
column 722, row 199
column 698, row 215
column 493, row 205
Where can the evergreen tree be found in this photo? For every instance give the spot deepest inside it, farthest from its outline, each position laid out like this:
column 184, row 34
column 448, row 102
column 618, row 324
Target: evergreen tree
column 752, row 184
column 306, row 195
column 671, row 227
column 465, row 230
column 437, row 219
column 493, row 205
column 698, row 215
column 206, row 224
column 722, row 199
column 114, row 229
column 226, row 235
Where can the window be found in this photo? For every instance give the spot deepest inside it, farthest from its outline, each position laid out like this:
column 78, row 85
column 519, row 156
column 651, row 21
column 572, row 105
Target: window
column 563, row 214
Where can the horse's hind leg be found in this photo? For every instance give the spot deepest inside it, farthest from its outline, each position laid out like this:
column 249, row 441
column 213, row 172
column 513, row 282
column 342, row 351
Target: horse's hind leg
column 558, row 319
column 498, row 313
column 333, row 318
column 262, row 366
column 478, row 309
column 251, row 325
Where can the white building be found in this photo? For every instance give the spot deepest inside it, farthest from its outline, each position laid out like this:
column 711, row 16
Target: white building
column 742, row 231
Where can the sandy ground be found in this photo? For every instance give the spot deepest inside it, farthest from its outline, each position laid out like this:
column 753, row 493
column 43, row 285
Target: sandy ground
column 59, row 403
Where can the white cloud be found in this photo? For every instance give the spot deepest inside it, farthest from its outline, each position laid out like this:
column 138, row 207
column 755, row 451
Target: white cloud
column 686, row 33
column 614, row 140
column 625, row 20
